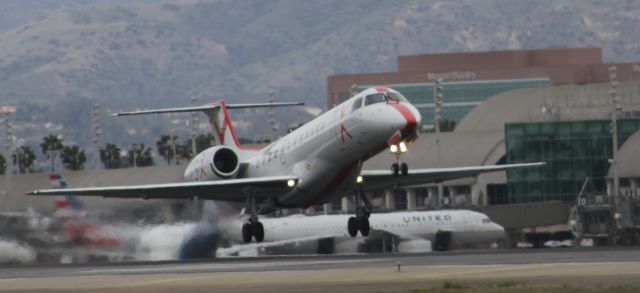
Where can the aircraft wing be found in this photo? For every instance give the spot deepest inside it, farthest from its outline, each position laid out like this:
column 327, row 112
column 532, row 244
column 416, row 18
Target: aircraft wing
column 377, row 179
column 225, row 190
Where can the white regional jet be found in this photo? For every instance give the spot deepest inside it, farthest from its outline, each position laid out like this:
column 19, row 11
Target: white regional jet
column 317, row 163
column 415, row 231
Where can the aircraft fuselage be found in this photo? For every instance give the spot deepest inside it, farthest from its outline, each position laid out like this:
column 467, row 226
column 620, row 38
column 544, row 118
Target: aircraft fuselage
column 326, row 154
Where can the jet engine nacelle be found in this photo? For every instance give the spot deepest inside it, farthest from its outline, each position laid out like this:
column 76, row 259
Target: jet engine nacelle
column 218, row 162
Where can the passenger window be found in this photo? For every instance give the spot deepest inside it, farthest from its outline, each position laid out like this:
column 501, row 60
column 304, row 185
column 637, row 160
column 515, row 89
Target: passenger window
column 375, row 98
column 357, row 103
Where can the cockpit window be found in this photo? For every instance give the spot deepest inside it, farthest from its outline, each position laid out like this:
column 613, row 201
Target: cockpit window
column 357, row 103
column 375, row 98
column 389, row 97
column 486, row 221
column 396, row 97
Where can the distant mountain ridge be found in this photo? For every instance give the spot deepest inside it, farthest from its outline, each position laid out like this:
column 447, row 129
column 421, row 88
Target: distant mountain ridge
column 152, row 54
column 155, row 52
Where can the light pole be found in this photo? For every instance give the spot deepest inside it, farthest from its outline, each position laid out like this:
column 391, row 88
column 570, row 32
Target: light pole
column 19, row 153
column 173, row 143
column 52, row 155
column 272, row 115
column 194, row 127
column 133, row 148
column 615, row 109
column 102, row 149
column 438, row 96
column 7, row 148
column 8, row 141
column 95, row 121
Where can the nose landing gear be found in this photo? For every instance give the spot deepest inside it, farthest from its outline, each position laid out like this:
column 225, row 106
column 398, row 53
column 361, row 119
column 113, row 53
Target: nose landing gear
column 399, row 169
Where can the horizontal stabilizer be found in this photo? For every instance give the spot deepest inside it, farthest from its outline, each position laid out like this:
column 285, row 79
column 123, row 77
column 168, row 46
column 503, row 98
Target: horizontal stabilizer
column 209, row 107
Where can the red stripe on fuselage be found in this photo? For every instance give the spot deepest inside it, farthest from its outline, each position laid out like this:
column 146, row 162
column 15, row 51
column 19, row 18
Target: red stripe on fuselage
column 408, row 115
column 382, row 89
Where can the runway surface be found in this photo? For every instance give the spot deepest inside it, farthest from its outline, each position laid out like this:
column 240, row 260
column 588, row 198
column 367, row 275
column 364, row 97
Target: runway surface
column 354, row 273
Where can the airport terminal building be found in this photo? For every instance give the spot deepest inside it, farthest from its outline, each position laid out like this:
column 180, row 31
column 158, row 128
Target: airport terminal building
column 551, row 105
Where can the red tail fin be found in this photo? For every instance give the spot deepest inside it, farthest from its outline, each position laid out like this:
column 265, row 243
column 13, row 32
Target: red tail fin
column 222, row 127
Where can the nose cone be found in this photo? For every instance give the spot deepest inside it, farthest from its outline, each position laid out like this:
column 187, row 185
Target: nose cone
column 409, row 119
column 498, row 231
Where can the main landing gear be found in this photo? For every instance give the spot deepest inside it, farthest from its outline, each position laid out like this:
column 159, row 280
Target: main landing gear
column 253, row 228
column 361, row 221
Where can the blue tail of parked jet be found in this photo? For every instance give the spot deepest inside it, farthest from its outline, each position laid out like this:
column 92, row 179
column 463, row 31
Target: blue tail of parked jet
column 67, row 202
column 202, row 241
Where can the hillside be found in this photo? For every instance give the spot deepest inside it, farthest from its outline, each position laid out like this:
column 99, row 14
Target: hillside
column 161, row 54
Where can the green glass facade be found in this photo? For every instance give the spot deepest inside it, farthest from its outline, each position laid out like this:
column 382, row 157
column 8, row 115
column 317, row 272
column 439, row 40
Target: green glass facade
column 573, row 151
column 460, row 97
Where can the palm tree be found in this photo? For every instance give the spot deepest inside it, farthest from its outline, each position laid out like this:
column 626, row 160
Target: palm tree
column 165, row 149
column 24, row 157
column 73, row 158
column 110, row 156
column 204, row 142
column 143, row 156
column 3, row 164
column 49, row 144
column 184, row 150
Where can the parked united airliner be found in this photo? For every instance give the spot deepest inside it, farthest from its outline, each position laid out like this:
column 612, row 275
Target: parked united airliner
column 317, row 163
column 415, row 231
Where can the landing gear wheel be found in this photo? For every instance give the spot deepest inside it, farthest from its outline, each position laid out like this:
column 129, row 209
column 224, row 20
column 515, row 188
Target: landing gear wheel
column 352, row 226
column 363, row 226
column 404, row 169
column 246, row 232
column 395, row 169
column 258, row 231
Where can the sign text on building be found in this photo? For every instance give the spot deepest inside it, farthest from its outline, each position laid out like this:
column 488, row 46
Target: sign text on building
column 452, row 75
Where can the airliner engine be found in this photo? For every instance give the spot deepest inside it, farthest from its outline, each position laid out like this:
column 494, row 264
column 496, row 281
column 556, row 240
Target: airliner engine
column 223, row 162
column 218, row 162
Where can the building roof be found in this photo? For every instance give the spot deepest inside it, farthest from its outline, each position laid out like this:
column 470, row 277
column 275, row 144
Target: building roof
column 629, row 158
column 557, row 103
column 500, row 59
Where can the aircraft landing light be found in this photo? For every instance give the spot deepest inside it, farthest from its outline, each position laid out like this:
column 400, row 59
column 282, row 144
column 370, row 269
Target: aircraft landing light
column 403, row 147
